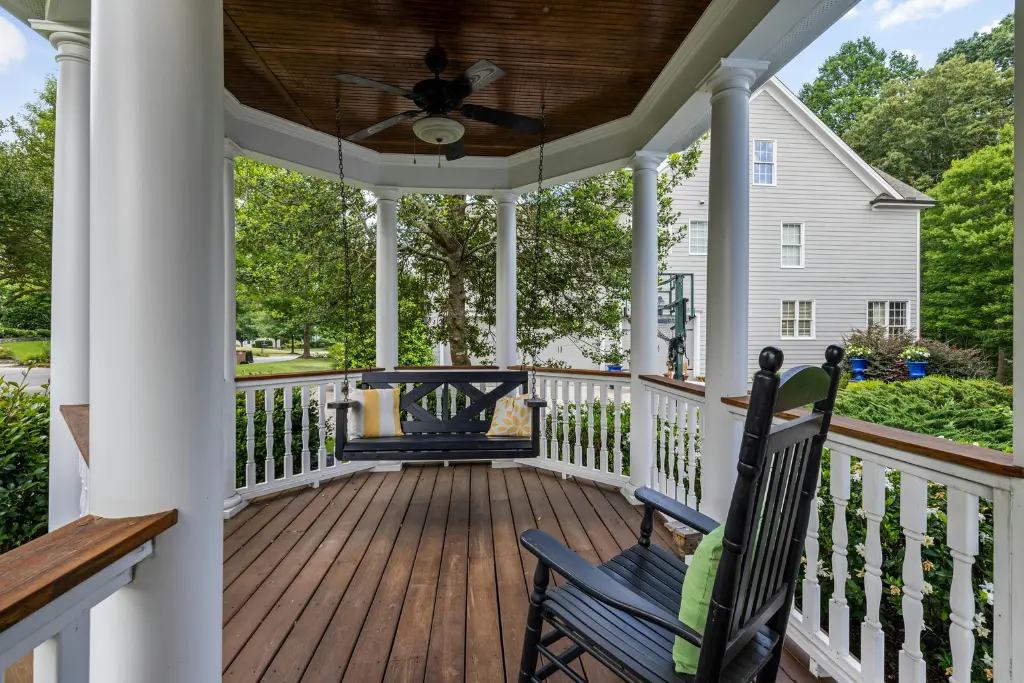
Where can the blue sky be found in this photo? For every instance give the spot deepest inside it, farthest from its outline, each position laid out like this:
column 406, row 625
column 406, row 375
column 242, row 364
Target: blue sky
column 922, row 27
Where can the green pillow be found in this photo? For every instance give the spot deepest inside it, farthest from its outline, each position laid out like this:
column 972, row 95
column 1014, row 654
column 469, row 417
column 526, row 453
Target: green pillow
column 697, row 587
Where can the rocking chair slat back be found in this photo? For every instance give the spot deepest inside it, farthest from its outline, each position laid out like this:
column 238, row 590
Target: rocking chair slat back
column 767, row 520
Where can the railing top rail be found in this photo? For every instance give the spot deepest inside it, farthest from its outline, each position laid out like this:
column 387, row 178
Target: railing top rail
column 679, row 385
column 77, row 419
column 447, row 367
column 962, row 454
column 314, row 374
column 39, row 572
column 574, row 371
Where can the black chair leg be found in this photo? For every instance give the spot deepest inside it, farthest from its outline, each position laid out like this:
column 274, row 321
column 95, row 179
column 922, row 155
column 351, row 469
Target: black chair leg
column 647, row 527
column 534, row 623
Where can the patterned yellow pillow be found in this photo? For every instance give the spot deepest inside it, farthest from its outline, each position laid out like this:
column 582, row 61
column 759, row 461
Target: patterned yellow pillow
column 511, row 417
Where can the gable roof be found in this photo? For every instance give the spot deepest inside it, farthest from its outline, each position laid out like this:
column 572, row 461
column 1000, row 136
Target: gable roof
column 889, row 191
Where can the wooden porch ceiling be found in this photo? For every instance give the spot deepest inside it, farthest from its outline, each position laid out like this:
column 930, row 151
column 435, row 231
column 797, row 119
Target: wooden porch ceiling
column 593, row 60
column 408, row 576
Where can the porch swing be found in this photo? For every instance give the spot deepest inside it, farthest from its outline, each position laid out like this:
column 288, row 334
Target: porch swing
column 449, row 433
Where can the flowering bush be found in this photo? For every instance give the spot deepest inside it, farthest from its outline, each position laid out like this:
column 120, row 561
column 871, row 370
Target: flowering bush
column 858, row 351
column 915, row 354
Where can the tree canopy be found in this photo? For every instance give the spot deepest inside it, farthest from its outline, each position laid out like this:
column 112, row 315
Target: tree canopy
column 916, row 128
column 995, row 46
column 967, row 252
column 851, row 78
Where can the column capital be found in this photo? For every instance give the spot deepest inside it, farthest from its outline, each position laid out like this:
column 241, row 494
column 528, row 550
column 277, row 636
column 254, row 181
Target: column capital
column 730, row 74
column 506, row 196
column 71, row 42
column 388, row 194
column 646, row 161
column 231, row 150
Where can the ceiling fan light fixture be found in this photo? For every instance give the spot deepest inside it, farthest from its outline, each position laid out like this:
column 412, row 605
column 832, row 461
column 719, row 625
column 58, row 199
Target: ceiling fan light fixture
column 438, row 130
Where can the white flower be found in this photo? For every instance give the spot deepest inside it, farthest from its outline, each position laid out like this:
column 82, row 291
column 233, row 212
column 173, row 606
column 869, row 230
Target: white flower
column 984, row 536
column 981, row 516
column 926, row 588
column 989, row 591
column 861, row 550
column 889, row 486
column 983, row 633
column 979, row 619
column 861, row 512
column 933, row 512
column 855, row 476
column 987, row 659
column 927, row 541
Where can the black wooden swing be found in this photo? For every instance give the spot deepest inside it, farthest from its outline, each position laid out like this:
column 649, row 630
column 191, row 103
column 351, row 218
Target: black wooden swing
column 439, row 436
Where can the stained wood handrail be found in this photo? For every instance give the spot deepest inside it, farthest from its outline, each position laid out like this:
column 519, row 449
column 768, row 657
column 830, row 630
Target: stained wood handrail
column 574, row 371
column 42, row 570
column 77, row 419
column 687, row 387
column 446, row 367
column 302, row 375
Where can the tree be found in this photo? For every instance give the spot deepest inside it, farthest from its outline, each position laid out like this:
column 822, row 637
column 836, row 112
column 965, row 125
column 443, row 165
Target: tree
column 995, row 46
column 916, row 128
column 967, row 253
column 26, row 195
column 851, row 78
column 574, row 285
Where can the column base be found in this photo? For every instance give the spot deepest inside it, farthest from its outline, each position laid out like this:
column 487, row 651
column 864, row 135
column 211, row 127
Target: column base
column 628, row 492
column 388, row 466
column 234, row 505
column 503, row 464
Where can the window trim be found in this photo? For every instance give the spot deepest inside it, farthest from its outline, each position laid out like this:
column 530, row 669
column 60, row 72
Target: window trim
column 867, row 314
column 796, row 320
column 774, row 162
column 783, row 245
column 689, row 236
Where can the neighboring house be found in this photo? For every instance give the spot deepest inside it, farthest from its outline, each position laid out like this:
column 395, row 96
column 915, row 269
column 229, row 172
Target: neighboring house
column 834, row 243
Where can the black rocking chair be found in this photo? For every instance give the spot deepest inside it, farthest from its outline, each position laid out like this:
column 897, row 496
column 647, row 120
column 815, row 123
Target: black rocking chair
column 624, row 613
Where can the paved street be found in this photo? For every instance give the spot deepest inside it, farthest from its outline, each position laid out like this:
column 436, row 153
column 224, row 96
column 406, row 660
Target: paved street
column 36, row 377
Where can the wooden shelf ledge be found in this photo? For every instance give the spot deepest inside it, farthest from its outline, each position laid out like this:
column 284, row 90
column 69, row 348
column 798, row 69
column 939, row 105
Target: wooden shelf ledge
column 37, row 573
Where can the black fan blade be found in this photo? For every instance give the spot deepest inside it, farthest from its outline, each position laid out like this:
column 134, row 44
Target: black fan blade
column 505, row 119
column 479, row 76
column 376, row 85
column 382, row 125
column 454, row 150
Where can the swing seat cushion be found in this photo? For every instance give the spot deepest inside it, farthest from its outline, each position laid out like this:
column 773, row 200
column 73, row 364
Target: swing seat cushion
column 439, row 442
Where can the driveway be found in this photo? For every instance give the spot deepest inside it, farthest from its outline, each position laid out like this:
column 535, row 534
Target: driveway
column 37, row 377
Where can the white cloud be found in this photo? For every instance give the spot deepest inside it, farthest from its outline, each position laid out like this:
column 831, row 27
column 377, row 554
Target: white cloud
column 907, row 11
column 853, row 13
column 12, row 44
column 909, row 53
column 988, row 28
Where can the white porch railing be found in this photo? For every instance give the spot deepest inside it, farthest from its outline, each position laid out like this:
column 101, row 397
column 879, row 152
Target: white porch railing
column 676, row 408
column 892, row 474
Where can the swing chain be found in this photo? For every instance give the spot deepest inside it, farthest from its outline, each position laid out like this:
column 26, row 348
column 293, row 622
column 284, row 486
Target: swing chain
column 345, row 244
column 536, row 254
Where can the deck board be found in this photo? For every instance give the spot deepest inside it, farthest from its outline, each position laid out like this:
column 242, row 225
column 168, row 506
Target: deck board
column 407, row 577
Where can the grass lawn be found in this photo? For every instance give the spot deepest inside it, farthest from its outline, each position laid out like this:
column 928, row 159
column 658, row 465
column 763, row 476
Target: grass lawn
column 285, row 366
column 270, row 352
column 23, row 350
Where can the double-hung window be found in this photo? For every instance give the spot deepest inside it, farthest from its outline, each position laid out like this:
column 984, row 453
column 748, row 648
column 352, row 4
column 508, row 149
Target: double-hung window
column 698, row 238
column 797, row 320
column 792, row 245
column 890, row 315
column 764, row 162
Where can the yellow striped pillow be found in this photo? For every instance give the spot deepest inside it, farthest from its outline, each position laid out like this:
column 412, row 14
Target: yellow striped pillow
column 511, row 417
column 375, row 413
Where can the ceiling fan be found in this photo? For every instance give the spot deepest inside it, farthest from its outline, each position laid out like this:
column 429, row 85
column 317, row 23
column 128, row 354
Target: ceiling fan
column 437, row 97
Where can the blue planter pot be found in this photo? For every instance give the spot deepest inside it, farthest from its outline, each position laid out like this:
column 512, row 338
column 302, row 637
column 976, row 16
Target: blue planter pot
column 860, row 366
column 917, row 368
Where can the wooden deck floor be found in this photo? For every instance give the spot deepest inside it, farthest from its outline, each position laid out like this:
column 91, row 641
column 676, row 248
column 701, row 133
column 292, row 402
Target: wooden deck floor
column 405, row 577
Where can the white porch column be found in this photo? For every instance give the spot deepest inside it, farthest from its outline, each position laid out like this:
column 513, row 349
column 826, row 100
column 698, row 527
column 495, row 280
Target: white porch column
column 643, row 324
column 387, row 276
column 232, row 501
column 505, row 291
column 157, row 295
column 728, row 277
column 66, row 657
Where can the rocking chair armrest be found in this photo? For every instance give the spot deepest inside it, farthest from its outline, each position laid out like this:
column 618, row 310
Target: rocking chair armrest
column 676, row 510
column 598, row 585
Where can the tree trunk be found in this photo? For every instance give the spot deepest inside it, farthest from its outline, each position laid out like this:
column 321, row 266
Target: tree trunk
column 456, row 313
column 305, row 342
column 1001, row 366
column 292, row 340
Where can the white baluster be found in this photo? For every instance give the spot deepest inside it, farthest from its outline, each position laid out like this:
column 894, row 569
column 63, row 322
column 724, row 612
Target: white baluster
column 669, row 448
column 591, row 452
column 691, row 455
column 838, row 609
column 268, row 406
column 679, row 449
column 554, row 420
column 962, row 540
column 322, row 425
column 439, row 395
column 83, row 498
column 305, row 429
column 289, row 466
column 482, row 386
column 617, row 426
column 811, row 590
column 542, row 390
column 604, row 427
column 578, row 448
column 872, row 647
column 566, row 398
column 657, row 477
column 250, row 439
column 914, row 520
column 453, row 401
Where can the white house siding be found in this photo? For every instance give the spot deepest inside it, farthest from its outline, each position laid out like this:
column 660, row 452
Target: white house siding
column 853, row 253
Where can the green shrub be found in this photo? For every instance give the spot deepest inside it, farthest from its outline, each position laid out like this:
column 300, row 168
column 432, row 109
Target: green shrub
column 260, row 434
column 950, row 361
column 24, row 460
column 884, row 361
column 6, row 354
